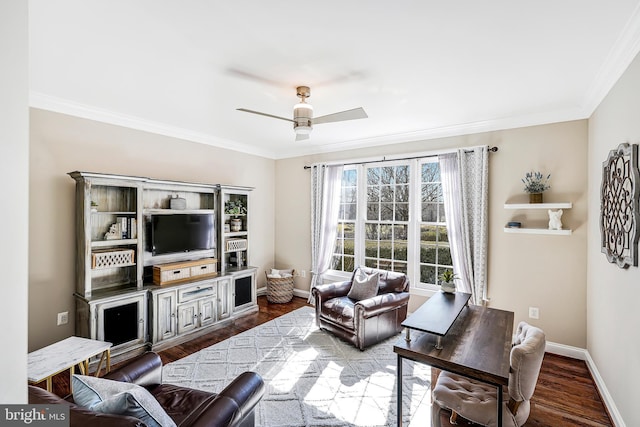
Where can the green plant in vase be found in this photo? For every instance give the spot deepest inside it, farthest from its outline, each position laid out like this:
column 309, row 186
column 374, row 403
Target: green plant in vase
column 447, row 281
column 235, row 208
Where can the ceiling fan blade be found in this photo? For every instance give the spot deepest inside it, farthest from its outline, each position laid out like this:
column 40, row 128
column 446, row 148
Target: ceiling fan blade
column 264, row 114
column 301, row 136
column 356, row 113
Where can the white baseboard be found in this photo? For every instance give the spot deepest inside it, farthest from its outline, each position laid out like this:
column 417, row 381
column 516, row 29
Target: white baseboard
column 583, row 354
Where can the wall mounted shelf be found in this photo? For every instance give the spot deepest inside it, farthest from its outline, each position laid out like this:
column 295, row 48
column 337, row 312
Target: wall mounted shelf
column 560, row 205
column 536, row 231
column 537, row 206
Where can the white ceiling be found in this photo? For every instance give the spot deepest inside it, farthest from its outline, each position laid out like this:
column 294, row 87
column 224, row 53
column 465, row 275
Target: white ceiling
column 421, row 69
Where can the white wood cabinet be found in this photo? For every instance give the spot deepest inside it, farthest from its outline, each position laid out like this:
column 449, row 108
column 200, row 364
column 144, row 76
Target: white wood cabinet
column 165, row 325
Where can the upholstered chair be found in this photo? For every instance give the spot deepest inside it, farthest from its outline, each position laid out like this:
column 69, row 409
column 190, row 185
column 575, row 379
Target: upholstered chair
column 477, row 401
column 364, row 310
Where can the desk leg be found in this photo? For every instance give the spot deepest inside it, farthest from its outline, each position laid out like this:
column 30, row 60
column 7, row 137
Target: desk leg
column 499, row 406
column 399, row 396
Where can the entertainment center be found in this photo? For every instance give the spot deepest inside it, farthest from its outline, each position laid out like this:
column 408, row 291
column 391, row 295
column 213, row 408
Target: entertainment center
column 159, row 262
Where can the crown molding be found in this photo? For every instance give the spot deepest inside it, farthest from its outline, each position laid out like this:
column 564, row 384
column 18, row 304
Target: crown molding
column 622, row 53
column 72, row 108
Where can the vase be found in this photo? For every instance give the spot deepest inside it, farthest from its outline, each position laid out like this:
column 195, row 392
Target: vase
column 535, row 197
column 448, row 287
column 236, row 224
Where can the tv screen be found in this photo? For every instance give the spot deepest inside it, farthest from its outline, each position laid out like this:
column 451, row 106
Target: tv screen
column 182, row 233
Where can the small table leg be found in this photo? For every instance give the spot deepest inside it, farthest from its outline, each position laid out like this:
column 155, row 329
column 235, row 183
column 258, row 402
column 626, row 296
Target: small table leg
column 438, row 342
column 49, row 383
column 499, row 406
column 399, row 403
column 408, row 336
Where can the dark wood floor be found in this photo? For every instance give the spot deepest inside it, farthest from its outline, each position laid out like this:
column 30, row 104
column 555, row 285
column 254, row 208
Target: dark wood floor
column 565, row 396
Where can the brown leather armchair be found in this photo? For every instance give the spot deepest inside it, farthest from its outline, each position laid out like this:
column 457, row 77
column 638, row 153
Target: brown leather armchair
column 368, row 321
column 233, row 406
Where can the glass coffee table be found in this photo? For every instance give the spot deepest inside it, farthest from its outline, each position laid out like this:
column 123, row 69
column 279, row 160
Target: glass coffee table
column 43, row 364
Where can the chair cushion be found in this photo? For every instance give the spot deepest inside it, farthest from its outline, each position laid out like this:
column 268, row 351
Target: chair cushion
column 115, row 397
column 364, row 285
column 340, row 311
column 476, row 401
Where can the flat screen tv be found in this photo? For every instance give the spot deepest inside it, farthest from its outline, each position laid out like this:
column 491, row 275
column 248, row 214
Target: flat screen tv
column 177, row 233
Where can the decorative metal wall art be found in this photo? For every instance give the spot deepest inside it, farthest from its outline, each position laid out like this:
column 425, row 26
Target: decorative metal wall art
column 619, row 214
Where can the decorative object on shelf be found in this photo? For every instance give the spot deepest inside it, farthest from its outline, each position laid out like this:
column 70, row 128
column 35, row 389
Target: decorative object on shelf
column 94, row 206
column 514, row 224
column 235, row 245
column 447, row 281
column 235, row 207
column 555, row 219
column 227, row 227
column 111, row 258
column 236, row 224
column 619, row 206
column 535, row 184
column 177, row 203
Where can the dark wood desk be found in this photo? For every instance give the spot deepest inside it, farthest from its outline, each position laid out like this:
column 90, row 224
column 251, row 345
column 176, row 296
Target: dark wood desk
column 477, row 346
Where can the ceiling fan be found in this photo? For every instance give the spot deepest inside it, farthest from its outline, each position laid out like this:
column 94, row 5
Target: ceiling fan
column 303, row 120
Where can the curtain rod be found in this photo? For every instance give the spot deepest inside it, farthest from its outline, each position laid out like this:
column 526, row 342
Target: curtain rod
column 384, row 159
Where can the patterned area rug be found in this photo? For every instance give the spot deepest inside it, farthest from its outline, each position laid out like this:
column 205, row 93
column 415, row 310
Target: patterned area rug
column 312, row 378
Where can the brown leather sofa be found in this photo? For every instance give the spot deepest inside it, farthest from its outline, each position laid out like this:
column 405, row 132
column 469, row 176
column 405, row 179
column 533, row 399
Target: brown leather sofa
column 368, row 321
column 233, row 406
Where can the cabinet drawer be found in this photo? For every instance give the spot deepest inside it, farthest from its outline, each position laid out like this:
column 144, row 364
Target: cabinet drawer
column 167, row 276
column 203, row 270
column 194, row 292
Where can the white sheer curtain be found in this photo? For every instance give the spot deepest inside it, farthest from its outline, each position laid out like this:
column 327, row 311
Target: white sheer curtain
column 465, row 184
column 325, row 204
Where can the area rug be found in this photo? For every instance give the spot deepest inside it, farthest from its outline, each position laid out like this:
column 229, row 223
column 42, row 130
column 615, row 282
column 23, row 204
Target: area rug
column 312, row 378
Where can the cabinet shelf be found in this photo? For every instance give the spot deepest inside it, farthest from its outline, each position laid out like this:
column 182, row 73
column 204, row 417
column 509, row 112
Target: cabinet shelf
column 125, row 213
column 536, row 231
column 177, row 211
column 115, row 242
column 236, row 234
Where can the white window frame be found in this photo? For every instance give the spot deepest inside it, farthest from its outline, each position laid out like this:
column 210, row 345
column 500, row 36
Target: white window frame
column 413, row 225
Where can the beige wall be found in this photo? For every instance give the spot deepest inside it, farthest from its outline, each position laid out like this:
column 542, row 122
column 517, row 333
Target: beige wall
column 613, row 293
column 60, row 144
column 544, row 271
column 14, row 172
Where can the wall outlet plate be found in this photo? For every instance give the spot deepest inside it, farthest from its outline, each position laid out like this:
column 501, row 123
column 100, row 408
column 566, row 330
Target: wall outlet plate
column 63, row 318
column 534, row 313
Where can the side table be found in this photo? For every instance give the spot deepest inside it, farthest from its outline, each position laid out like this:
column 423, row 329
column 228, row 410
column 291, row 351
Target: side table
column 43, row 364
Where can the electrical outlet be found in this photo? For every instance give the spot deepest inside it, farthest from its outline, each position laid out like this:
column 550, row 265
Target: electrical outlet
column 303, row 273
column 534, row 313
column 63, row 318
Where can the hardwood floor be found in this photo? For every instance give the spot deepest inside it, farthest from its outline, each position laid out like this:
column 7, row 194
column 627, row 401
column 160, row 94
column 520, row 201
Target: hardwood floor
column 565, row 396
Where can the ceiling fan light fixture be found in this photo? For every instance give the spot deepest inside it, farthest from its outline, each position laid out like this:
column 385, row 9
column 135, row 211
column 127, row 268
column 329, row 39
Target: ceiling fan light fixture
column 302, row 111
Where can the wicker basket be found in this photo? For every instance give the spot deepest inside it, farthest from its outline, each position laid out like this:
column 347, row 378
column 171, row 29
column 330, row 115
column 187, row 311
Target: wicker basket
column 279, row 290
column 110, row 258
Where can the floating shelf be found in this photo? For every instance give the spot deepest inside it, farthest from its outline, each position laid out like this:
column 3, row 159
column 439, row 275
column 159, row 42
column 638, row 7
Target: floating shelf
column 515, row 230
column 559, row 205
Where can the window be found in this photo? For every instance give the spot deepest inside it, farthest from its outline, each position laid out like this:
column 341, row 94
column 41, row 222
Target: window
column 392, row 217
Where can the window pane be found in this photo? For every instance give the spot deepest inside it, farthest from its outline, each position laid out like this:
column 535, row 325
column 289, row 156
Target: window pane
column 402, row 193
column 386, row 193
column 372, row 263
column 443, row 235
column 429, row 212
column 427, row 253
column 428, row 274
column 348, row 230
column 349, row 263
column 373, row 176
column 350, row 177
column 402, row 212
column 431, row 172
column 373, row 211
column 386, row 176
column 350, row 211
column 336, row 263
column 349, row 245
column 402, row 174
column 400, row 267
column 386, row 211
column 444, row 255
